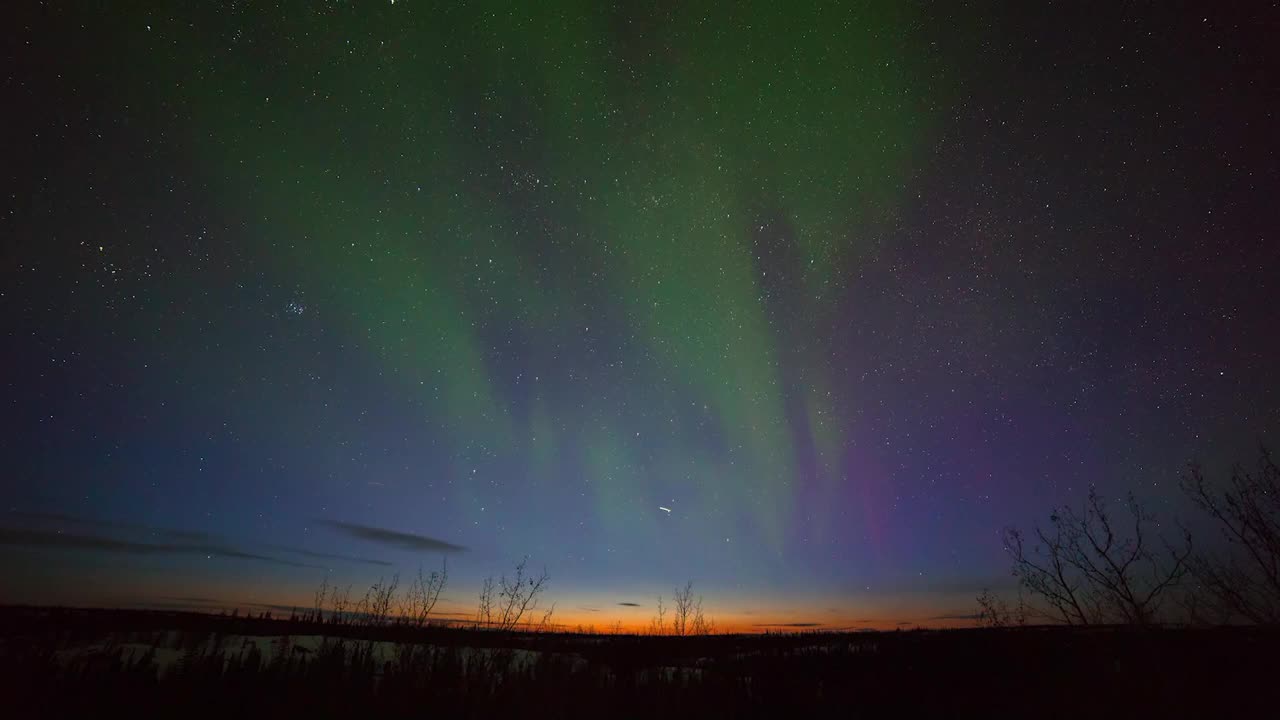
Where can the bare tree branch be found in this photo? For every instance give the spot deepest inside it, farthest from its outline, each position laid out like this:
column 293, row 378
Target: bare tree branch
column 1243, row 583
column 1087, row 573
column 424, row 593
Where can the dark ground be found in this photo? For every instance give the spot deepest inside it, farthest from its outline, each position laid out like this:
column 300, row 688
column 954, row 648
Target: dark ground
column 1026, row 672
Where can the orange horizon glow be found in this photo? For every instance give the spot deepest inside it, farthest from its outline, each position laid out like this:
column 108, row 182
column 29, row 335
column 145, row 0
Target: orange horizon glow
column 595, row 623
column 590, row 612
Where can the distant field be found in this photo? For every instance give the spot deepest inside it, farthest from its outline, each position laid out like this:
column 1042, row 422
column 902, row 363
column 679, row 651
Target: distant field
column 73, row 662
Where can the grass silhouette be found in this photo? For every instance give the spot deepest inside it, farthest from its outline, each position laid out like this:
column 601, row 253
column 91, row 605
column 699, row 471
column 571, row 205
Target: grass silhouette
column 71, row 661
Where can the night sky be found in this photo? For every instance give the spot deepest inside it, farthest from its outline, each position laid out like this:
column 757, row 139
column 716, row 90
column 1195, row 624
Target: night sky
column 803, row 304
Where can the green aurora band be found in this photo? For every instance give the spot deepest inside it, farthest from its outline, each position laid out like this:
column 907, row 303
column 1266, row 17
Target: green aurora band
column 594, row 185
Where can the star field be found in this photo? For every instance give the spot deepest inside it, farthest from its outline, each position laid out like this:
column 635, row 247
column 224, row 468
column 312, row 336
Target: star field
column 804, row 304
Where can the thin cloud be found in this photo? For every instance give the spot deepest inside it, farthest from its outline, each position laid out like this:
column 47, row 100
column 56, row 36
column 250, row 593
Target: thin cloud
column 973, row 616
column 184, row 538
column 190, row 604
column 394, row 538
column 273, row 607
column 43, row 539
column 630, row 604
column 332, row 556
column 790, row 625
column 63, row 518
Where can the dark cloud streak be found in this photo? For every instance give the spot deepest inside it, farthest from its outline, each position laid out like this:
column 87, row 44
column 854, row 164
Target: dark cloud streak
column 332, row 556
column 183, row 540
column 394, row 538
column 44, row 539
column 56, row 517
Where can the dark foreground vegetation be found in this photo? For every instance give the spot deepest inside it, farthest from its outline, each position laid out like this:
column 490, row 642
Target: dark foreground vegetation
column 91, row 663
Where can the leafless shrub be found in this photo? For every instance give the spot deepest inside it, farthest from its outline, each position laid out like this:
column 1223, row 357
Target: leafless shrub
column 994, row 612
column 317, row 609
column 423, row 594
column 544, row 625
column 689, row 618
column 484, row 612
column 340, row 602
column 518, row 595
column 1245, row 582
column 701, row 625
column 658, row 624
column 1088, row 574
column 375, row 608
column 683, row 610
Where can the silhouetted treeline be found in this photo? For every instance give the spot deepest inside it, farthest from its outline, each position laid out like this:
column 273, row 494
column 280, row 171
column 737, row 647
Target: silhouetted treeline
column 451, row 672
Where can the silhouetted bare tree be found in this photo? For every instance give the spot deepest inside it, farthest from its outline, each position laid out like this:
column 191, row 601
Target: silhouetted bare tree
column 1244, row 583
column 375, row 607
column 340, row 601
column 994, row 612
column 484, row 612
column 424, row 593
column 514, row 598
column 701, row 624
column 688, row 618
column 544, row 625
column 658, row 624
column 1088, row 573
column 518, row 595
column 680, row 619
column 317, row 610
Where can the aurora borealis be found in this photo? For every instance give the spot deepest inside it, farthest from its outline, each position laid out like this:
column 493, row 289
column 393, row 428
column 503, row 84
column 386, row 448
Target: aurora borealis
column 845, row 288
